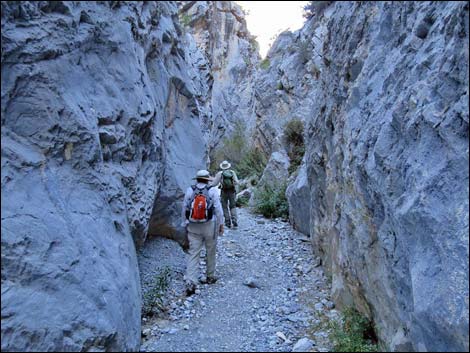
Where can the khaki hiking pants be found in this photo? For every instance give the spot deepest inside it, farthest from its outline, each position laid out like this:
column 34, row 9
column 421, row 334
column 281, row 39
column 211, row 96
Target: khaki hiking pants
column 228, row 201
column 198, row 235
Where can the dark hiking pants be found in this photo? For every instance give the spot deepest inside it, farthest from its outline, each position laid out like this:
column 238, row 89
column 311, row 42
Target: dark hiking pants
column 228, row 202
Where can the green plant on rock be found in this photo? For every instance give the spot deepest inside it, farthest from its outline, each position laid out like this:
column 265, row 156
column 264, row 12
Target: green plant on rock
column 296, row 157
column 293, row 131
column 271, row 201
column 185, row 19
column 294, row 138
column 253, row 162
column 245, row 159
column 232, row 148
column 254, row 43
column 354, row 333
column 265, row 64
column 242, row 201
column 305, row 50
column 153, row 297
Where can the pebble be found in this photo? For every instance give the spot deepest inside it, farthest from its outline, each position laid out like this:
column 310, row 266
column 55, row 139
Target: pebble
column 250, row 282
column 281, row 335
column 303, row 345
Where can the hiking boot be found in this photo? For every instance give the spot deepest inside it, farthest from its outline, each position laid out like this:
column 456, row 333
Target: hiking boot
column 190, row 289
column 235, row 225
column 209, row 280
column 228, row 225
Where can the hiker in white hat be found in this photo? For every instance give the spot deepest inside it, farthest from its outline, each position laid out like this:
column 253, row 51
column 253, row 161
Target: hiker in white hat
column 228, row 181
column 204, row 221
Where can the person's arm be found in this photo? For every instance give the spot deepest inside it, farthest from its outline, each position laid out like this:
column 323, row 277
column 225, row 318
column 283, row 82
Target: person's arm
column 235, row 178
column 187, row 197
column 219, row 214
column 216, row 180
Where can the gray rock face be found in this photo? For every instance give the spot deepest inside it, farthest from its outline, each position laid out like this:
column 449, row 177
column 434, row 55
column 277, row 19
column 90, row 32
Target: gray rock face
column 284, row 91
column 220, row 31
column 103, row 125
column 276, row 170
column 387, row 165
column 282, row 87
column 298, row 196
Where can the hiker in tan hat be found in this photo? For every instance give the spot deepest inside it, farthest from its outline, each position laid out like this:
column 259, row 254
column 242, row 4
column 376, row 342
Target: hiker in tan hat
column 204, row 221
column 228, row 181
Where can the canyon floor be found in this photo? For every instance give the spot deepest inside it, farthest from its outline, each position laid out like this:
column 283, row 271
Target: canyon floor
column 271, row 294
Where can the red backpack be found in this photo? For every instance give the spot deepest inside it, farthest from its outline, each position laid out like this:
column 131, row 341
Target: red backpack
column 201, row 207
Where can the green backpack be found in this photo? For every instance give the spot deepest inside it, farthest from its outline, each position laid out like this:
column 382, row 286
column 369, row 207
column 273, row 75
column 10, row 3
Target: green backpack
column 227, row 180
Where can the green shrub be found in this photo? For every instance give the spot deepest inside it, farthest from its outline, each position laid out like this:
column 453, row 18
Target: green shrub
column 296, row 158
column 294, row 136
column 315, row 8
column 153, row 297
column 253, row 162
column 294, row 132
column 271, row 202
column 254, row 43
column 245, row 160
column 242, row 201
column 185, row 19
column 305, row 50
column 265, row 64
column 232, row 148
column 355, row 333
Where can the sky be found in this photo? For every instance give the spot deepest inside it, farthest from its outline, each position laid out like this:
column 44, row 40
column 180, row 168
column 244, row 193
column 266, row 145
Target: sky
column 266, row 19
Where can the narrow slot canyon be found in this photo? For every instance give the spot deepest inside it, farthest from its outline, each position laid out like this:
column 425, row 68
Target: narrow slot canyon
column 349, row 139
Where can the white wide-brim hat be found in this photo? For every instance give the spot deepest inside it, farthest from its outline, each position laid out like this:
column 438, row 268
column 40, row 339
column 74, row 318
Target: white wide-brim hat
column 225, row 165
column 203, row 174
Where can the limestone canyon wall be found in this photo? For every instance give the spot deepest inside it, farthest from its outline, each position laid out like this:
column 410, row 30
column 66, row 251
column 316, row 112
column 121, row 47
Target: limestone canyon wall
column 385, row 172
column 231, row 52
column 102, row 114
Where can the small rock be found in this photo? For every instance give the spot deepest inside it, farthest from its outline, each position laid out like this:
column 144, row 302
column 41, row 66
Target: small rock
column 296, row 318
column 146, row 332
column 186, row 327
column 250, row 282
column 281, row 336
column 318, row 306
column 303, row 345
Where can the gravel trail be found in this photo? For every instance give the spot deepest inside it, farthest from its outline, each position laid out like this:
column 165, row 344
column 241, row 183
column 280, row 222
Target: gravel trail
column 270, row 294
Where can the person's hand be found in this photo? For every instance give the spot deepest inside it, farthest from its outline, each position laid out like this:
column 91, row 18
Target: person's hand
column 221, row 230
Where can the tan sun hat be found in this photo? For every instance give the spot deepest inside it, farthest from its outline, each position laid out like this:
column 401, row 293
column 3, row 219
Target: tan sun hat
column 203, row 174
column 225, row 165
